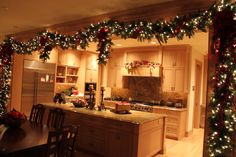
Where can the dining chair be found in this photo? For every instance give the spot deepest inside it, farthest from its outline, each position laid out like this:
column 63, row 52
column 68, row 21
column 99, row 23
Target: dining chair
column 54, row 138
column 36, row 114
column 67, row 145
column 56, row 118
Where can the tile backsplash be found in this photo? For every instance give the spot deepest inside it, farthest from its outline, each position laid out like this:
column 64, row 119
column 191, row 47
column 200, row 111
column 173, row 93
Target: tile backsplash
column 145, row 89
column 139, row 88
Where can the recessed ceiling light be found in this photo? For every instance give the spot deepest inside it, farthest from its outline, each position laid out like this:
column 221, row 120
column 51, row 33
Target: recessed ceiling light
column 119, row 45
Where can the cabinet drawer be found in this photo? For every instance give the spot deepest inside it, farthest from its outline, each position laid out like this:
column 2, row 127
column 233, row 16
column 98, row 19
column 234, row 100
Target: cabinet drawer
column 172, row 120
column 93, row 121
column 92, row 131
column 122, row 126
column 171, row 131
column 92, row 144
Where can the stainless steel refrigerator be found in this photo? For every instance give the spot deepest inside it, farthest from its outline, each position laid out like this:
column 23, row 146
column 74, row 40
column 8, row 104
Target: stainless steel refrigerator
column 37, row 84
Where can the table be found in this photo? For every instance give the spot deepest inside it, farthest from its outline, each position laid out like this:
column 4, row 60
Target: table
column 29, row 138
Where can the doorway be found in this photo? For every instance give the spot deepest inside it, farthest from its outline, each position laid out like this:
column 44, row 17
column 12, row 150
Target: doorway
column 197, row 95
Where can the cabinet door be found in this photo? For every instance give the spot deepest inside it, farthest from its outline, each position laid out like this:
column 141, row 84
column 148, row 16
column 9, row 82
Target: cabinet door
column 180, row 58
column 119, row 144
column 73, row 58
column 168, row 79
column 91, row 75
column 175, row 56
column 179, row 80
column 168, row 57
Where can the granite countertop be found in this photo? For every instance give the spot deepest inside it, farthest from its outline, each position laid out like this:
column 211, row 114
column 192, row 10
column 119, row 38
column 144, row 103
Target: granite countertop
column 170, row 108
column 155, row 107
column 135, row 117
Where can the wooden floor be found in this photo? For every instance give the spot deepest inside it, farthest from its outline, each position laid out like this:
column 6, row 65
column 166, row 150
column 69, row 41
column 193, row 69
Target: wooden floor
column 191, row 146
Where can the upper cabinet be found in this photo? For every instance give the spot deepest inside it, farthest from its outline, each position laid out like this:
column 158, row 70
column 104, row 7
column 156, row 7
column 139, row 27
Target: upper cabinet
column 175, row 55
column 91, row 73
column 69, row 57
column 176, row 68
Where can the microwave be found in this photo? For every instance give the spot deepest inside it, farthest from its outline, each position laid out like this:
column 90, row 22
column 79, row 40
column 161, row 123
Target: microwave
column 87, row 84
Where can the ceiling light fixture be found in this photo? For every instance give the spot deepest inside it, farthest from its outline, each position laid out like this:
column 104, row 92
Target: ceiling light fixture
column 119, row 45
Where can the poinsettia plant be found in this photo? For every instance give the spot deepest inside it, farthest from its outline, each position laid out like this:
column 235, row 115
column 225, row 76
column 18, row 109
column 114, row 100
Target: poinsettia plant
column 135, row 64
column 14, row 118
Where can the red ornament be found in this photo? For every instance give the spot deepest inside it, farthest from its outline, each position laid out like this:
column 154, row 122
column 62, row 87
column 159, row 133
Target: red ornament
column 43, row 41
column 102, row 34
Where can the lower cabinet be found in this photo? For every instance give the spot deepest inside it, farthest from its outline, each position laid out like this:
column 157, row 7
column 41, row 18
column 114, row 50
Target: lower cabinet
column 175, row 123
column 119, row 144
column 108, row 137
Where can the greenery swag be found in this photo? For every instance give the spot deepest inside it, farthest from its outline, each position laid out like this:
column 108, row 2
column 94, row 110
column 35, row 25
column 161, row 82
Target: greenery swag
column 221, row 16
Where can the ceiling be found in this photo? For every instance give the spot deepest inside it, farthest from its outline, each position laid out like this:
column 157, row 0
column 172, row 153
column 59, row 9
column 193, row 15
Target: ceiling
column 23, row 15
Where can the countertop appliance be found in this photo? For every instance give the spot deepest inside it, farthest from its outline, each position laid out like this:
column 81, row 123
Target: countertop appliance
column 37, row 84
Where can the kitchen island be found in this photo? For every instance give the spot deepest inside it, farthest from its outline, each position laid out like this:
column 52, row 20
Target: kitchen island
column 138, row 134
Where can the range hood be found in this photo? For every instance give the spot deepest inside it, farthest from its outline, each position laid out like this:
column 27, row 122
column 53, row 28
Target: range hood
column 143, row 72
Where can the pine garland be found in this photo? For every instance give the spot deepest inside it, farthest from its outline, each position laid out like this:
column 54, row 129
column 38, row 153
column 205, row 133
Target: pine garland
column 223, row 14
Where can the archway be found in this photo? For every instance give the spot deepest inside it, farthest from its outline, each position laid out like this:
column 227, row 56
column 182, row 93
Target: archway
column 222, row 117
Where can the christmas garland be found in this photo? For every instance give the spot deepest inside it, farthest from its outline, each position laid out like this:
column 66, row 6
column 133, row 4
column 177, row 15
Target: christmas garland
column 222, row 118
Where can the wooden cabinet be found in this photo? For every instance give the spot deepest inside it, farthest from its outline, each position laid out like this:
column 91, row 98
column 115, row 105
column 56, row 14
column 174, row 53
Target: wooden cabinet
column 176, row 68
column 112, row 135
column 119, row 144
column 67, row 74
column 91, row 75
column 69, row 57
column 92, row 139
column 173, row 79
column 176, row 121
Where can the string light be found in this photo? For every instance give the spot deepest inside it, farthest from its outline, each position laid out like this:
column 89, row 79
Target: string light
column 222, row 118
